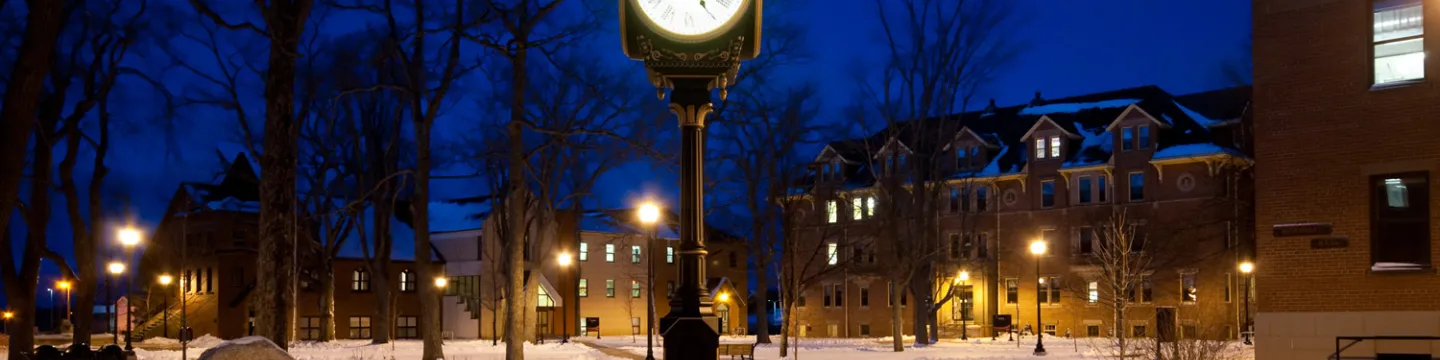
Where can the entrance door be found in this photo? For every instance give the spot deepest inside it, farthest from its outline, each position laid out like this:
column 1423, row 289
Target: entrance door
column 723, row 312
column 542, row 323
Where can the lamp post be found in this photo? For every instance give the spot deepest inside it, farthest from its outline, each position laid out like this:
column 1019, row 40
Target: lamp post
column 115, row 269
column 1248, row 269
column 129, row 237
column 650, row 215
column 165, row 306
column 962, row 278
column 564, row 261
column 65, row 286
column 1038, row 248
column 8, row 315
column 52, row 307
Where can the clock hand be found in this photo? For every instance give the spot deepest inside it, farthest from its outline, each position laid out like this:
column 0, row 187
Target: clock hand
column 707, row 10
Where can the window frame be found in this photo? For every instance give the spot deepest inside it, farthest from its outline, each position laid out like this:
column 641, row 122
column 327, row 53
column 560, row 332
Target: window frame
column 360, row 280
column 1370, row 49
column 1047, row 201
column 609, row 288
column 404, row 330
column 832, row 212
column 1085, row 194
column 407, row 281
column 584, row 251
column 1055, row 147
column 1386, row 246
column 360, row 327
column 1130, row 186
column 1012, row 290
column 634, row 254
column 609, row 253
column 1127, row 138
column 583, row 288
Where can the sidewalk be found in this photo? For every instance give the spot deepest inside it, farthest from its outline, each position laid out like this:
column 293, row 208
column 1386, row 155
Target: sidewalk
column 612, row 351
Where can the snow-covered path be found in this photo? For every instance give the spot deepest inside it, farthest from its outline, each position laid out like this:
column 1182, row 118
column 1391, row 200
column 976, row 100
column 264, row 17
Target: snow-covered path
column 408, row 350
column 880, row 349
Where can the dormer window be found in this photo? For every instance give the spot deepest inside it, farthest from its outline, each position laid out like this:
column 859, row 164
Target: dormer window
column 967, row 157
column 1127, row 138
column 1134, row 137
column 1053, row 150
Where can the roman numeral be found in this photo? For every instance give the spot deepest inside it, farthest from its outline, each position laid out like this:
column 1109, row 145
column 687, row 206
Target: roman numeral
column 689, row 20
column 725, row 3
column 668, row 13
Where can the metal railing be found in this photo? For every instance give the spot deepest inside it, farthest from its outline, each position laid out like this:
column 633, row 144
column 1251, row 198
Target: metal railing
column 1355, row 340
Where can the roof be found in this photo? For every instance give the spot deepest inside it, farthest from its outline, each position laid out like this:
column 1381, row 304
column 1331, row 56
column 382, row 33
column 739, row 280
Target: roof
column 1183, row 122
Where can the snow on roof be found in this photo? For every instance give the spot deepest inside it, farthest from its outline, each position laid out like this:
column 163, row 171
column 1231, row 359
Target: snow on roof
column 1199, row 119
column 1095, row 143
column 1179, row 151
column 604, row 222
column 1076, row 107
column 233, row 204
column 993, row 168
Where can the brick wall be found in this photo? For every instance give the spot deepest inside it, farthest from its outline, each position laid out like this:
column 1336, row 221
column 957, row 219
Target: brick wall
column 1321, row 131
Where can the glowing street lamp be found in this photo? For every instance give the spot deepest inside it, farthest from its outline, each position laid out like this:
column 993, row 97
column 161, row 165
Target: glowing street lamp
column 1248, row 269
column 115, row 269
column 563, row 259
column 165, row 281
column 961, row 278
column 129, row 237
column 65, row 286
column 723, row 297
column 8, row 315
column 650, row 215
column 440, row 282
column 1038, row 248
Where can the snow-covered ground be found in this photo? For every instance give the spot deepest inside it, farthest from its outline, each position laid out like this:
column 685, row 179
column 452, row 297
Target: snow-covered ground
column 407, row 350
column 881, row 349
column 810, row 348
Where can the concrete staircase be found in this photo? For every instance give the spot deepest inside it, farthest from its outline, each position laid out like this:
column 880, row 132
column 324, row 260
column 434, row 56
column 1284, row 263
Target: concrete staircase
column 152, row 326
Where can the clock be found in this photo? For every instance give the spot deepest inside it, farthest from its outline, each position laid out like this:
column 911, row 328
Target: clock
column 690, row 20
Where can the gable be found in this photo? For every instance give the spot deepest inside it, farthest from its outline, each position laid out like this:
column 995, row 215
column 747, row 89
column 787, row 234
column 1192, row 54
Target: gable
column 1045, row 120
column 1135, row 112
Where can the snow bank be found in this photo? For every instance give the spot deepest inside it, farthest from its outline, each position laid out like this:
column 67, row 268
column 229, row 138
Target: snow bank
column 205, row 341
column 160, row 341
column 246, row 348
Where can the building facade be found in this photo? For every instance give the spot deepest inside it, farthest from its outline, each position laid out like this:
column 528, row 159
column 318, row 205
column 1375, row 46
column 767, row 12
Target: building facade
column 1346, row 228
column 1173, row 172
column 592, row 269
column 207, row 244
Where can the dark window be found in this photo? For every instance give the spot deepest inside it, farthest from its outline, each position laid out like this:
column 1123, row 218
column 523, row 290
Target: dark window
column 981, row 197
column 965, row 199
column 954, row 246
column 360, row 280
column 1092, row 330
column 800, row 300
column 1049, row 290
column 1400, row 222
column 962, row 162
column 1012, row 291
column 669, row 289
column 237, row 239
column 310, row 328
column 864, row 330
column 1144, row 131
column 1047, row 193
column 1137, row 331
column 981, row 246
column 1137, row 186
column 1087, row 241
column 1147, row 287
column 733, row 260
column 1101, row 187
column 840, row 294
column 1084, row 188
column 359, row 327
column 864, row 297
column 1189, row 331
column 966, row 244
column 1137, row 239
column 1127, row 138
column 975, row 156
column 407, row 327
column 954, row 200
column 828, row 300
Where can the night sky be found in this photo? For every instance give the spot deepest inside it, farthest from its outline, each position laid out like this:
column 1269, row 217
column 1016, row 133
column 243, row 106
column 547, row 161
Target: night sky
column 1067, row 47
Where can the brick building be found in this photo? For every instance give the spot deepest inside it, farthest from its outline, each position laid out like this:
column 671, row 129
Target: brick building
column 206, row 242
column 608, row 258
column 1344, row 124
column 1054, row 170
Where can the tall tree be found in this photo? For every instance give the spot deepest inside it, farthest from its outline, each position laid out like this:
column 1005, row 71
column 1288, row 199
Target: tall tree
column 17, row 120
column 273, row 298
column 938, row 54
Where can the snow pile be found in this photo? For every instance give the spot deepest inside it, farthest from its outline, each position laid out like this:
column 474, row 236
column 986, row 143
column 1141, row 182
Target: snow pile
column 205, row 341
column 1199, row 119
column 1076, row 107
column 246, row 348
column 160, row 341
column 1396, row 266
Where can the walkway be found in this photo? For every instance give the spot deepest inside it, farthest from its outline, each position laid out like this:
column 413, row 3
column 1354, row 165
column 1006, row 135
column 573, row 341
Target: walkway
column 613, row 351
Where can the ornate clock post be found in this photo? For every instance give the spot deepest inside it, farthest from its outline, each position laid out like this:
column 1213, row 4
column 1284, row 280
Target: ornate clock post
column 691, row 47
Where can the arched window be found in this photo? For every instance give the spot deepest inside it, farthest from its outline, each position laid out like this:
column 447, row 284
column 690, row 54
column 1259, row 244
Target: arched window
column 407, row 281
column 360, row 280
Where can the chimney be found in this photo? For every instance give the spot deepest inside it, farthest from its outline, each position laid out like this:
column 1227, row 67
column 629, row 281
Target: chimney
column 1037, row 100
column 991, row 108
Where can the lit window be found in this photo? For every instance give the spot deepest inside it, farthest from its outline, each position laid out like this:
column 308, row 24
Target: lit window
column 407, row 281
column 832, row 211
column 610, row 288
column 1188, row 293
column 859, row 209
column 359, row 327
column 634, row 254
column 1039, row 148
column 1399, row 41
column 1094, row 292
column 832, row 254
column 360, row 280
column 870, row 206
column 584, row 251
column 609, row 253
column 1054, row 146
column 584, row 288
column 634, row 288
column 669, row 254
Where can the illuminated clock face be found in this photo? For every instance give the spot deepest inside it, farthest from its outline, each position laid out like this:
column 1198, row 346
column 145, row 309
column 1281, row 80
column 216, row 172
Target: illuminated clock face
column 691, row 18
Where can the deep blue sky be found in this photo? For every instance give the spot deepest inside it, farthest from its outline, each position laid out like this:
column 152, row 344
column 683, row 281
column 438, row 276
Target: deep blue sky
column 1068, row 47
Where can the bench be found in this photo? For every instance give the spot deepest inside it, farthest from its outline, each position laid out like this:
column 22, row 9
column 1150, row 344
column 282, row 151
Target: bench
column 743, row 351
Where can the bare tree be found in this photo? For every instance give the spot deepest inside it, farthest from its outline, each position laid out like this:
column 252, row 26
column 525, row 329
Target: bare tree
column 939, row 54
column 23, row 90
column 284, row 24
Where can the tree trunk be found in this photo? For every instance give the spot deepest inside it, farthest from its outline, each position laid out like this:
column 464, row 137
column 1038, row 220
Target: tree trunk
column 384, row 309
column 429, row 294
column 786, row 328
column 514, row 343
column 934, row 321
column 920, row 290
column 327, row 298
column 381, row 325
column 896, row 317
column 22, row 97
column 762, row 286
column 273, row 298
column 1120, row 326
